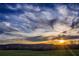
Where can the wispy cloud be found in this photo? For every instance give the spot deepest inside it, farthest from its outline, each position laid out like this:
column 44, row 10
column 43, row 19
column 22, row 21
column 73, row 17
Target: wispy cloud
column 36, row 20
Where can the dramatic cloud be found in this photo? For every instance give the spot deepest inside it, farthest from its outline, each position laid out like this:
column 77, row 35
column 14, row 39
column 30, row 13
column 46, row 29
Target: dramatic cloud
column 36, row 20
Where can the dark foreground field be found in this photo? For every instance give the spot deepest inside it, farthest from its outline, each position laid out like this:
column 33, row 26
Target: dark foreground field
column 39, row 53
column 38, row 50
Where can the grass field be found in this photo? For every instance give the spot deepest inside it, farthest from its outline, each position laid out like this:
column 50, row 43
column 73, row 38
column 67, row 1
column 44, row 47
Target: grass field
column 61, row 50
column 38, row 53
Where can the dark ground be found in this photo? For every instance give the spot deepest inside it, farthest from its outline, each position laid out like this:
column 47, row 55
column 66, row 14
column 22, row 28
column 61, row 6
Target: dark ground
column 38, row 50
column 38, row 53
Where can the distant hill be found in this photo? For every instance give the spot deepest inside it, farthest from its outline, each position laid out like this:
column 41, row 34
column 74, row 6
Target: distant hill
column 26, row 47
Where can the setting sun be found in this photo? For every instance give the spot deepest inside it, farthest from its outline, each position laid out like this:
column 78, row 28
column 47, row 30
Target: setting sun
column 61, row 41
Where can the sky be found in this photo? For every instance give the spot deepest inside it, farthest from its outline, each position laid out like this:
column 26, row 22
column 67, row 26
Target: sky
column 35, row 19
